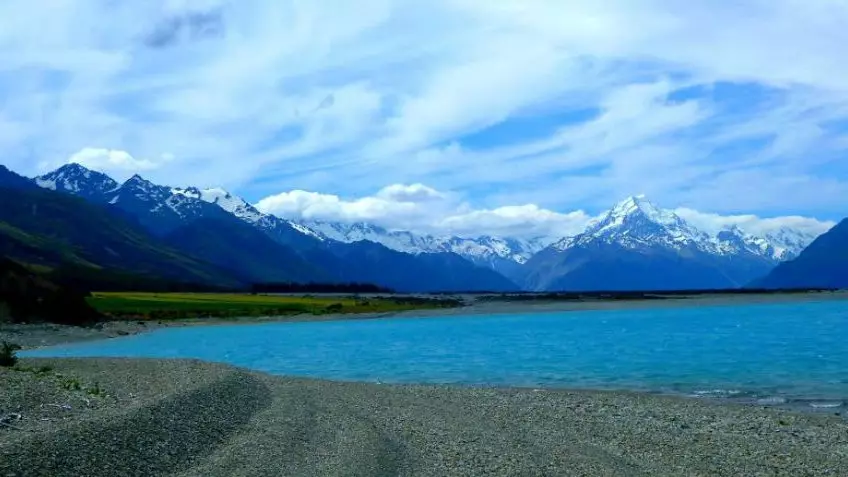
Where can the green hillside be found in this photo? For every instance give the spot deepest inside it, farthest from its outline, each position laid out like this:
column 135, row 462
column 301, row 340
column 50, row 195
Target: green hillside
column 72, row 236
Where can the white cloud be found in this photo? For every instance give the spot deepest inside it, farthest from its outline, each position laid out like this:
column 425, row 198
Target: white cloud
column 342, row 96
column 713, row 223
column 314, row 205
column 527, row 220
column 116, row 163
column 423, row 209
column 440, row 213
column 410, row 193
column 109, row 160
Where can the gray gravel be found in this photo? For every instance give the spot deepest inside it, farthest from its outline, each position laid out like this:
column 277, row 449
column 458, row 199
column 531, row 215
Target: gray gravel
column 189, row 418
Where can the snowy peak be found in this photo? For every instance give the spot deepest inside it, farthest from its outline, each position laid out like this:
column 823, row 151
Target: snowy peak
column 76, row 179
column 637, row 204
column 636, row 223
column 223, row 199
column 141, row 189
column 639, row 208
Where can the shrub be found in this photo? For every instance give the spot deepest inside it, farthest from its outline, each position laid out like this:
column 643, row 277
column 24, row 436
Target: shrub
column 8, row 357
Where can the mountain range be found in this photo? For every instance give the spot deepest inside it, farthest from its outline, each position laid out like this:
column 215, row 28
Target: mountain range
column 250, row 247
column 634, row 246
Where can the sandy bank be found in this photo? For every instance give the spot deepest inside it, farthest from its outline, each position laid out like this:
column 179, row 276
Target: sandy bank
column 194, row 419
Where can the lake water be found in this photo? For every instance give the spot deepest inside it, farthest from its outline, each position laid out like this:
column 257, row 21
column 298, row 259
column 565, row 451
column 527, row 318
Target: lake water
column 766, row 352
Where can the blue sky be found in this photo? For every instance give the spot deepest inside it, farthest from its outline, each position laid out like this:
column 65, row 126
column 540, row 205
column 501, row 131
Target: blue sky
column 511, row 116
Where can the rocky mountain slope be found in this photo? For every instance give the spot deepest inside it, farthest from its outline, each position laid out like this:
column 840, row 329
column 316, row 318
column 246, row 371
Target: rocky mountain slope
column 823, row 264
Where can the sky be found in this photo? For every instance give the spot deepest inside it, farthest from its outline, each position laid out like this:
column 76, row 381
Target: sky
column 510, row 116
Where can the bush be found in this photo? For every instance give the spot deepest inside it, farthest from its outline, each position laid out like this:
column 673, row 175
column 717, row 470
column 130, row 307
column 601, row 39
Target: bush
column 8, row 357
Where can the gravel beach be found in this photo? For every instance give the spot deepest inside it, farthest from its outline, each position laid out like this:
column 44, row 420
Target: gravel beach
column 188, row 418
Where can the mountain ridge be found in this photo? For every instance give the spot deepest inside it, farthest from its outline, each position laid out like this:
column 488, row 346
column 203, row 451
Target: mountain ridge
column 630, row 234
column 210, row 225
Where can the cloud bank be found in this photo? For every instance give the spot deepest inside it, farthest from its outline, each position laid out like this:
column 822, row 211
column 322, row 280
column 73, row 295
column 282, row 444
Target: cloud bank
column 405, row 207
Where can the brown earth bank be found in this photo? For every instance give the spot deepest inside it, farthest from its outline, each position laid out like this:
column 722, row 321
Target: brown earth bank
column 72, row 417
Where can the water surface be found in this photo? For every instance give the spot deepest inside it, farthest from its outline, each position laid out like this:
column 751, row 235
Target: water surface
column 770, row 352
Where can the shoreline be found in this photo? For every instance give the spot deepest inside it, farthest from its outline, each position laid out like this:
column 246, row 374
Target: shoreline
column 219, row 420
column 38, row 335
column 34, row 336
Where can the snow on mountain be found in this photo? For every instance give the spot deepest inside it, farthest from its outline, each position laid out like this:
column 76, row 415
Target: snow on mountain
column 78, row 180
column 788, row 243
column 637, row 223
column 356, row 232
column 232, row 204
column 632, row 223
column 478, row 248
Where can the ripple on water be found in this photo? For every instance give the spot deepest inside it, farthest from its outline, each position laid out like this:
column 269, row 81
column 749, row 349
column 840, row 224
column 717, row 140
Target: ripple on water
column 826, row 404
column 772, row 401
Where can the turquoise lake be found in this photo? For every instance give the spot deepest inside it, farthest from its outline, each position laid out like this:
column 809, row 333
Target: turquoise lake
column 767, row 352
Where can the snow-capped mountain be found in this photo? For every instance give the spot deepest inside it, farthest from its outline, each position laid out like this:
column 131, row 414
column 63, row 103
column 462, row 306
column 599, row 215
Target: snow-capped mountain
column 486, row 250
column 281, row 230
column 502, row 254
column 78, row 180
column 636, row 223
column 788, row 243
column 223, row 199
column 247, row 246
column 517, row 250
column 637, row 245
column 157, row 207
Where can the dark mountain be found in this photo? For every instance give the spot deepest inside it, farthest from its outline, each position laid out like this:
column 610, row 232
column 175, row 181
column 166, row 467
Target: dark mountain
column 158, row 208
column 11, row 180
column 637, row 246
column 374, row 263
column 823, row 264
column 609, row 267
column 246, row 252
column 192, row 226
column 60, row 231
column 28, row 297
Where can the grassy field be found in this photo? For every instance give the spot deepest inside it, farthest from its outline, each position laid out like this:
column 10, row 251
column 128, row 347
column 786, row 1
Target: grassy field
column 158, row 306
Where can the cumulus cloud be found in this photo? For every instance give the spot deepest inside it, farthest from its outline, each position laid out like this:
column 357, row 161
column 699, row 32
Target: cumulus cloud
column 423, row 209
column 300, row 204
column 713, row 223
column 527, row 220
column 410, row 193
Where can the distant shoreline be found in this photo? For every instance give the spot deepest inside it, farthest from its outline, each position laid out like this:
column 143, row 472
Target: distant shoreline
column 42, row 335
